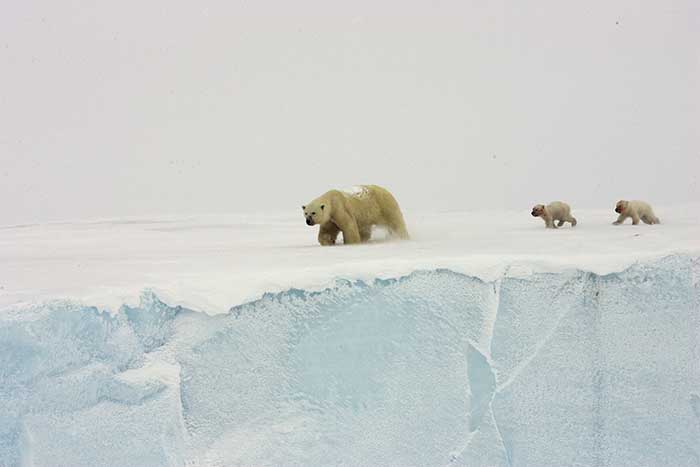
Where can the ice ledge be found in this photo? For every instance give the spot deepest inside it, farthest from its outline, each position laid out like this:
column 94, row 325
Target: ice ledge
column 212, row 263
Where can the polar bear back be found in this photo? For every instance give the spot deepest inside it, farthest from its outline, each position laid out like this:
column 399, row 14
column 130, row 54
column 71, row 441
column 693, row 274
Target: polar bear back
column 558, row 210
column 371, row 204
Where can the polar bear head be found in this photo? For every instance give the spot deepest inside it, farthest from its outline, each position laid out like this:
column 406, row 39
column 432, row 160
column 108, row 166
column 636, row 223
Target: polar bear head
column 621, row 206
column 317, row 212
column 537, row 210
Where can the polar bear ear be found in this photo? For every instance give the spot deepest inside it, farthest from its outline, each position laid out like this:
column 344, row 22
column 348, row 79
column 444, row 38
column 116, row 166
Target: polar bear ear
column 323, row 206
column 303, row 207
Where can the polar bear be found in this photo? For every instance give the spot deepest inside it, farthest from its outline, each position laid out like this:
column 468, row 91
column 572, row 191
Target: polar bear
column 355, row 213
column 636, row 210
column 554, row 211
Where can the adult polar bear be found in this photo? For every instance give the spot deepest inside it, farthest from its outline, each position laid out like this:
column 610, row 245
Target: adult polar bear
column 355, row 213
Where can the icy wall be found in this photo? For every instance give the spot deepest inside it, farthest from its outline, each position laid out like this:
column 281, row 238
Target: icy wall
column 435, row 368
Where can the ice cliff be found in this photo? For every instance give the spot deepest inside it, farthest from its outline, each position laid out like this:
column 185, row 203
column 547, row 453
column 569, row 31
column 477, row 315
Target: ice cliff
column 434, row 368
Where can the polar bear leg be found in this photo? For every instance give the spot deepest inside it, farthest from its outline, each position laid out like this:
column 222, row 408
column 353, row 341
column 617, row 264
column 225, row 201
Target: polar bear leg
column 348, row 225
column 351, row 235
column 365, row 233
column 397, row 226
column 650, row 219
column 400, row 232
column 328, row 233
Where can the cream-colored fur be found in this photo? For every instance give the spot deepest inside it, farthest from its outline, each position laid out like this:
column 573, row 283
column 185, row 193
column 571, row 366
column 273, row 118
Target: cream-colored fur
column 636, row 210
column 554, row 211
column 354, row 214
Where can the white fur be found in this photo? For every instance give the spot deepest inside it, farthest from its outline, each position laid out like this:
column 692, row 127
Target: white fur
column 554, row 211
column 354, row 214
column 636, row 210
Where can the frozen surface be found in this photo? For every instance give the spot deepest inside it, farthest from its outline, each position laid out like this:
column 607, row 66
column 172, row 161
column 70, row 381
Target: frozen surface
column 486, row 340
column 211, row 263
column 435, row 368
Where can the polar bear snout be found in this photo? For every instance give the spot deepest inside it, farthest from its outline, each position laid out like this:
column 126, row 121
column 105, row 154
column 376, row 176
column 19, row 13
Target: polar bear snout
column 309, row 220
column 620, row 206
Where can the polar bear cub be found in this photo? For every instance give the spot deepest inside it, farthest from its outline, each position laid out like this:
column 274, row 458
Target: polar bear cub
column 636, row 210
column 355, row 213
column 554, row 211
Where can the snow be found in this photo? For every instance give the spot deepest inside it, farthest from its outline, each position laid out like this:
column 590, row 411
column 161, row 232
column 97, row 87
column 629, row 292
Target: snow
column 357, row 190
column 211, row 263
column 485, row 340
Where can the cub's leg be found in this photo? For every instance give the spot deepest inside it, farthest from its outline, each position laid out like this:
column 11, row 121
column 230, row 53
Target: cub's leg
column 620, row 219
column 635, row 218
column 650, row 219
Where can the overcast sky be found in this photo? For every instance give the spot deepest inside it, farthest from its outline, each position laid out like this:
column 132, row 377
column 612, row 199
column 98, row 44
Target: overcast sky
column 169, row 107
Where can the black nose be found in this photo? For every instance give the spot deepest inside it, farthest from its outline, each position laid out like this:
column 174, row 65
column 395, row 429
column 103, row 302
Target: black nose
column 309, row 221
column 534, row 214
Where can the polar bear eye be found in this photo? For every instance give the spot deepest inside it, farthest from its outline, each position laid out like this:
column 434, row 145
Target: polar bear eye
column 313, row 213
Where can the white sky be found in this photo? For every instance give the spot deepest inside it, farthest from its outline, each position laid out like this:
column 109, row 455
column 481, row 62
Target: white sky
column 168, row 107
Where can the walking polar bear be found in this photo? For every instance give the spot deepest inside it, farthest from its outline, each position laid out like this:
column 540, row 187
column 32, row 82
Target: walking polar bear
column 554, row 211
column 355, row 214
column 636, row 210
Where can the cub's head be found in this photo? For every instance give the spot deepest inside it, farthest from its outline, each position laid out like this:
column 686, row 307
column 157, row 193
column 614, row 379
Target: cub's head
column 621, row 206
column 537, row 210
column 316, row 212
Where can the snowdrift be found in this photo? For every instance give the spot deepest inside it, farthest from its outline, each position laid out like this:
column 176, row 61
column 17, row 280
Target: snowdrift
column 433, row 368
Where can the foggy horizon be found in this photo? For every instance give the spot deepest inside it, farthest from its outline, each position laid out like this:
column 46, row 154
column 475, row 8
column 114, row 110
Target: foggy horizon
column 113, row 110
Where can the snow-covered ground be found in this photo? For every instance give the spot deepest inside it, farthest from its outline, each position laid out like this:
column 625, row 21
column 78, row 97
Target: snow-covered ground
column 211, row 263
column 530, row 358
